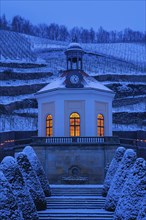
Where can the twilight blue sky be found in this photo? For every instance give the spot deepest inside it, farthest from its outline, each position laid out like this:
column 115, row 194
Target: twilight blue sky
column 111, row 14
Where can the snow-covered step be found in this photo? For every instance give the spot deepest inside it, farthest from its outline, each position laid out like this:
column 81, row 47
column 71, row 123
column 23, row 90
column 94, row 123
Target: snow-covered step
column 75, row 202
column 76, row 190
column 76, row 214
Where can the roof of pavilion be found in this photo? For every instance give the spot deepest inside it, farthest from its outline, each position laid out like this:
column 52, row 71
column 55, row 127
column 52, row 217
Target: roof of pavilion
column 88, row 82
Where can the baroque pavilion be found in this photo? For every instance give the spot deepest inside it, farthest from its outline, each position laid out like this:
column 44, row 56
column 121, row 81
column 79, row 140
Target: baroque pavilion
column 74, row 104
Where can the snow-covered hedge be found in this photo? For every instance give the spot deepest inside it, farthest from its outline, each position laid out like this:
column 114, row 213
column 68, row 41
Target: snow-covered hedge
column 142, row 211
column 13, row 174
column 133, row 192
column 119, row 179
column 8, row 204
column 35, row 163
column 32, row 181
column 112, row 169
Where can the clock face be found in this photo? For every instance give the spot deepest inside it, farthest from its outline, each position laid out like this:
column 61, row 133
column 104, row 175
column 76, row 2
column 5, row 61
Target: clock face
column 74, row 79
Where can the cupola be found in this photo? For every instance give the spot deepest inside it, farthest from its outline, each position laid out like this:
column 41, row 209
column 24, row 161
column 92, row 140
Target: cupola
column 74, row 56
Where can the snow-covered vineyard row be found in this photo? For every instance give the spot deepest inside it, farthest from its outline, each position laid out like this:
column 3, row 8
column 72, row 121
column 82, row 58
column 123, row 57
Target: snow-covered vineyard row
column 25, row 82
column 20, row 79
column 118, row 57
column 23, row 119
column 18, row 123
column 129, row 52
column 15, row 47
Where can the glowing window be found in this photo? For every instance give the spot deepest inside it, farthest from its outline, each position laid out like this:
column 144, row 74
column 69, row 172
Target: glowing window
column 100, row 125
column 49, row 126
column 74, row 124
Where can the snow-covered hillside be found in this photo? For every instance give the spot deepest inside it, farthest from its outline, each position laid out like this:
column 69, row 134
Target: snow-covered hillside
column 15, row 47
column 121, row 67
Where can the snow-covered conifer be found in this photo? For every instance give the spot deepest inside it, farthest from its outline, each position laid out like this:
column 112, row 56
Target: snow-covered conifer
column 13, row 174
column 119, row 179
column 35, row 163
column 133, row 192
column 32, row 181
column 142, row 210
column 112, row 169
column 8, row 204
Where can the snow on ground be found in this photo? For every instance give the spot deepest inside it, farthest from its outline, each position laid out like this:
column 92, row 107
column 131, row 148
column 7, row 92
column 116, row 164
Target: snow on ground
column 17, row 123
column 96, row 73
column 27, row 110
column 117, row 58
column 139, row 107
column 128, row 127
column 130, row 52
column 26, row 82
column 40, row 43
column 123, row 83
column 134, row 96
column 9, row 99
column 15, row 46
column 27, row 70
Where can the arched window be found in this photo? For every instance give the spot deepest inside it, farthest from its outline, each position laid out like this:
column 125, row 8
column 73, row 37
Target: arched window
column 49, row 126
column 100, row 125
column 74, row 124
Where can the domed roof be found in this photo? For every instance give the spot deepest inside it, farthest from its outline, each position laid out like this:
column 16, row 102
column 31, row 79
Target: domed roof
column 74, row 46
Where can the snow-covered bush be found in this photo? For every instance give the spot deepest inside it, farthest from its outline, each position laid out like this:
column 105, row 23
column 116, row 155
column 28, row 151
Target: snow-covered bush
column 35, row 163
column 112, row 169
column 8, row 204
column 32, row 181
column 142, row 211
column 119, row 179
column 133, row 192
column 13, row 174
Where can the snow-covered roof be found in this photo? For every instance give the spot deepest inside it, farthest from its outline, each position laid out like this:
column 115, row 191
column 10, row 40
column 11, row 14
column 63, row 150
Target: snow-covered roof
column 74, row 46
column 88, row 83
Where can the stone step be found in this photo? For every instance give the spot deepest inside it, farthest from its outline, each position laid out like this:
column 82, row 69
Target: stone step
column 75, row 203
column 75, row 214
column 74, row 192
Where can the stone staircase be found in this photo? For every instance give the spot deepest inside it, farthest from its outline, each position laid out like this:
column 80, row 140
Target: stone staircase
column 76, row 202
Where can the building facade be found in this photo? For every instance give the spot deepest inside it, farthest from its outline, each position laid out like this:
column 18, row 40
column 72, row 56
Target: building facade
column 74, row 104
column 75, row 141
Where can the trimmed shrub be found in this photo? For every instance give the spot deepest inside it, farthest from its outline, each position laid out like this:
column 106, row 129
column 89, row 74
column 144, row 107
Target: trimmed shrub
column 13, row 174
column 8, row 204
column 119, row 179
column 35, row 163
column 133, row 192
column 32, row 181
column 112, row 169
column 142, row 211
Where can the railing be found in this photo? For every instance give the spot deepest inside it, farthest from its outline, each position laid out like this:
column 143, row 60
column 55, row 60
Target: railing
column 75, row 140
